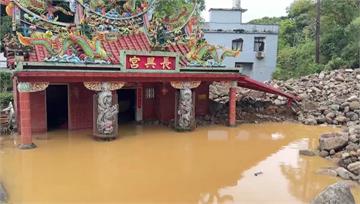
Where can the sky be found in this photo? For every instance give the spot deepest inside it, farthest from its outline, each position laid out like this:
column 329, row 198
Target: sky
column 256, row 8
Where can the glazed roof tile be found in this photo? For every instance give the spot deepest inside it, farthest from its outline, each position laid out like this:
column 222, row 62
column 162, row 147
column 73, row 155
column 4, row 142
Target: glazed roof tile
column 182, row 49
column 138, row 42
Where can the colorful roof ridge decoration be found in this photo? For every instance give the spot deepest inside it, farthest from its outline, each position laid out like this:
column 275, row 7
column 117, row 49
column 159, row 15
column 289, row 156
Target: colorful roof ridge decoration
column 136, row 41
column 96, row 31
column 182, row 49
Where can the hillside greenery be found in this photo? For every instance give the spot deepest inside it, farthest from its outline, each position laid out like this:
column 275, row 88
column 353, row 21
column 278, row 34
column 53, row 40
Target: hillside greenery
column 340, row 37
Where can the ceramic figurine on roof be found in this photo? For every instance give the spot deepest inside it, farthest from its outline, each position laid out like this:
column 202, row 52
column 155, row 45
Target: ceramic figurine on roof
column 68, row 47
column 182, row 27
column 204, row 54
column 45, row 8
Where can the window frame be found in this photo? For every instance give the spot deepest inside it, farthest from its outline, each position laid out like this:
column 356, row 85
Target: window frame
column 257, row 41
column 237, row 42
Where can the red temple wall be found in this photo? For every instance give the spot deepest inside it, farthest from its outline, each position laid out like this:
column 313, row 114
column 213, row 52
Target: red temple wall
column 161, row 107
column 80, row 107
column 165, row 103
column 38, row 112
column 149, row 104
column 202, row 99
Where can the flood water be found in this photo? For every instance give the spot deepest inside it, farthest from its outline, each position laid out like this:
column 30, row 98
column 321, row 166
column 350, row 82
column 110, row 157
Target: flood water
column 154, row 164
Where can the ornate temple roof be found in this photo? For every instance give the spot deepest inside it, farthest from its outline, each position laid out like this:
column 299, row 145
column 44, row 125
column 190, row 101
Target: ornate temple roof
column 138, row 42
column 96, row 31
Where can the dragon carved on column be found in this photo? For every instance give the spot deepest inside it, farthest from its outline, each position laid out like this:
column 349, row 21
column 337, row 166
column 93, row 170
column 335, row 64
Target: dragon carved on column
column 185, row 109
column 106, row 111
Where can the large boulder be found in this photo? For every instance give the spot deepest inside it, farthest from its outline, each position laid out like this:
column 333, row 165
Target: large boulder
column 345, row 174
column 338, row 193
column 354, row 167
column 354, row 105
column 334, row 141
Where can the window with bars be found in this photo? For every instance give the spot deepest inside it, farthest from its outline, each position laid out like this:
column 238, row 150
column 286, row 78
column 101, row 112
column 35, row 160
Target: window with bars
column 149, row 93
column 259, row 44
column 237, row 44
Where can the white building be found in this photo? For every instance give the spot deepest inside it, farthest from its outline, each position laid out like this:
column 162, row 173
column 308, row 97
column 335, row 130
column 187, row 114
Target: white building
column 2, row 61
column 258, row 43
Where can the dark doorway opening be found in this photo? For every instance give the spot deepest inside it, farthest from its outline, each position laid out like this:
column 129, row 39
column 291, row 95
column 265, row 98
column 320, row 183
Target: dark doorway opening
column 57, row 106
column 127, row 105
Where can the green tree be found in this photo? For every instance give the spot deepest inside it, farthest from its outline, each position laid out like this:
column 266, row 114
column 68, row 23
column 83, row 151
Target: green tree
column 268, row 20
column 5, row 81
column 166, row 8
column 340, row 39
column 5, row 28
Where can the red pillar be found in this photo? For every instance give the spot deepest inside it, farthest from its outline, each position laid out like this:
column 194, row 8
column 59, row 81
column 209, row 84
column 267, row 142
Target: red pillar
column 25, row 121
column 232, row 107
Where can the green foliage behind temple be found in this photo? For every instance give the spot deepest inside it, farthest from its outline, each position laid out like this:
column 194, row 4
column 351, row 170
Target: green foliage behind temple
column 340, row 37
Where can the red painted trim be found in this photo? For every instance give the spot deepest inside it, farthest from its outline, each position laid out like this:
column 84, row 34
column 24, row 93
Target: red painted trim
column 67, row 77
column 131, row 77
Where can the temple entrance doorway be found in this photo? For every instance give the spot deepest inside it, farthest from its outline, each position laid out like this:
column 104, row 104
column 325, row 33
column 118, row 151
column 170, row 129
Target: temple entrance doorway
column 127, row 105
column 57, row 107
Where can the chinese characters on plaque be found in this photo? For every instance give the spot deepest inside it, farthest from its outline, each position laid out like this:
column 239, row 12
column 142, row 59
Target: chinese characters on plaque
column 142, row 62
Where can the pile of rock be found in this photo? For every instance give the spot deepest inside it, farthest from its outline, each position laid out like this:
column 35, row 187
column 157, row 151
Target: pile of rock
column 252, row 106
column 328, row 97
column 344, row 148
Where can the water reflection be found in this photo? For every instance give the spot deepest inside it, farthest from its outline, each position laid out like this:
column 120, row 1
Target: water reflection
column 277, row 136
column 218, row 135
column 156, row 165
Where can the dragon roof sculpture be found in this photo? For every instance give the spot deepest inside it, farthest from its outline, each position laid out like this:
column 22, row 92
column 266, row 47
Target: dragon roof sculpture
column 95, row 31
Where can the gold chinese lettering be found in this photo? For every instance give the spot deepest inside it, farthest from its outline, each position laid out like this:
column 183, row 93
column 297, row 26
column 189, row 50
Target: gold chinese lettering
column 166, row 63
column 134, row 62
column 150, row 63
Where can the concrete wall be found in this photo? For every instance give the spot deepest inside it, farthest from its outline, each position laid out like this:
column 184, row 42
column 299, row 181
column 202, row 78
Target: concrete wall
column 243, row 27
column 224, row 27
column 226, row 16
column 262, row 68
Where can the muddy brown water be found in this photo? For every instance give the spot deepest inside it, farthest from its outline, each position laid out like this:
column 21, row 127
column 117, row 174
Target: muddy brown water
column 247, row 164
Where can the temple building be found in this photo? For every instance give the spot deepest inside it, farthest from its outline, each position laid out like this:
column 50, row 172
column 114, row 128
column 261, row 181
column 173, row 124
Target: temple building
column 89, row 64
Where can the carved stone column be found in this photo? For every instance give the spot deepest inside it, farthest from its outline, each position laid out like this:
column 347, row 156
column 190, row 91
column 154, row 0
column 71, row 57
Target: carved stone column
column 185, row 105
column 105, row 112
column 25, row 89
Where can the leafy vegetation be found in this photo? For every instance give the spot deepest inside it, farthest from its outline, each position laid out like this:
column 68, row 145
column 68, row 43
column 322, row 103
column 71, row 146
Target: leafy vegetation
column 5, row 81
column 166, row 8
column 340, row 37
column 5, row 99
column 5, row 27
column 5, row 88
